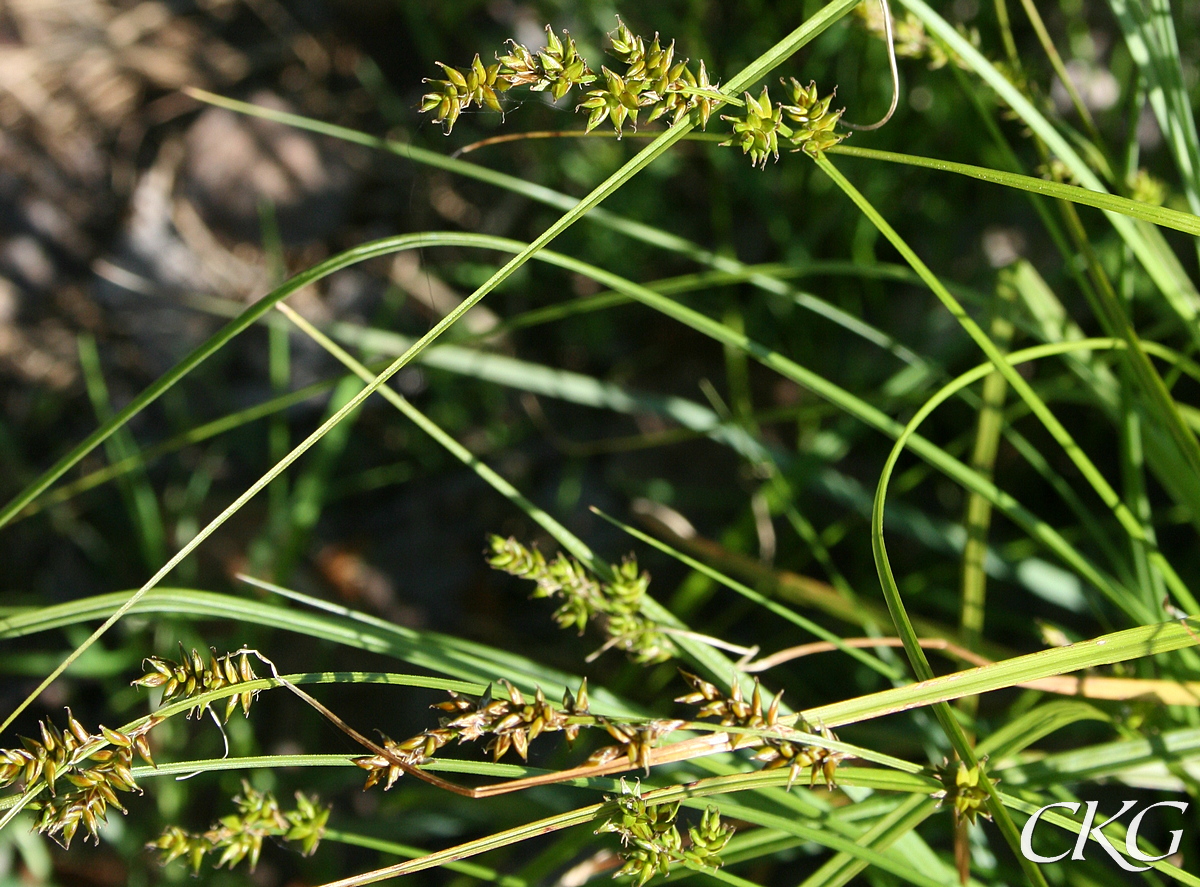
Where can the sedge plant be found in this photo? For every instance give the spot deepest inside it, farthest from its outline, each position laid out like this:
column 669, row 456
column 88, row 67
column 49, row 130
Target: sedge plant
column 1040, row 543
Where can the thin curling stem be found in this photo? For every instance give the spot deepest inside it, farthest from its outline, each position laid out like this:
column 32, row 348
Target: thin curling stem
column 891, row 48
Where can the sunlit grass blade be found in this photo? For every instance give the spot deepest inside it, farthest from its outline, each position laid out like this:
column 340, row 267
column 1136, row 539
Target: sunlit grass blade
column 841, row 868
column 1121, row 646
column 1019, row 733
column 407, row 851
column 688, row 283
column 1132, row 761
column 1162, row 216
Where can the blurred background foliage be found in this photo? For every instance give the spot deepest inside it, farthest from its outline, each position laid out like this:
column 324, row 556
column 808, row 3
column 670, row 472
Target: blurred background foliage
column 133, row 217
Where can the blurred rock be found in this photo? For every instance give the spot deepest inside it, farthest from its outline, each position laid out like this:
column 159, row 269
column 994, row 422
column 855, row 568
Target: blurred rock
column 77, row 97
column 233, row 162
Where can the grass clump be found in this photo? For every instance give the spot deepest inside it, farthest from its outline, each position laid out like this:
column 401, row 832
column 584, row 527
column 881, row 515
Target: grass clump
column 938, row 292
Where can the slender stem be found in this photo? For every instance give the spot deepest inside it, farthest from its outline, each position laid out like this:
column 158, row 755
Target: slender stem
column 978, row 517
column 890, row 39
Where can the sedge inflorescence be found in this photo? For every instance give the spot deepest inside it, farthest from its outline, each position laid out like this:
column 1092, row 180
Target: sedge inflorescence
column 510, row 723
column 241, row 835
column 965, row 790
column 615, row 602
column 651, row 841
column 733, row 710
column 76, row 773
column 193, row 674
column 650, row 82
column 74, row 776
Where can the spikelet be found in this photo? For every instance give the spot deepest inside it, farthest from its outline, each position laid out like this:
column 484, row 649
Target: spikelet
column 82, row 773
column 192, row 675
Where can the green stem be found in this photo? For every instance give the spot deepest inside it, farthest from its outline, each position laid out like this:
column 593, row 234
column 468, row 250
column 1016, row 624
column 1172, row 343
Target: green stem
column 978, row 515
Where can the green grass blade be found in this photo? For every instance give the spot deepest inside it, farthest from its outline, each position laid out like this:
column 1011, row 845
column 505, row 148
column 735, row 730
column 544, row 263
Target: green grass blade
column 1035, row 724
column 1111, row 760
column 868, row 855
column 1162, row 216
column 406, row 851
column 1120, row 646
column 141, row 502
column 841, row 868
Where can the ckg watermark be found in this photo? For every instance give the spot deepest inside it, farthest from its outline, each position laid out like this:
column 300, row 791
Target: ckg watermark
column 1088, row 829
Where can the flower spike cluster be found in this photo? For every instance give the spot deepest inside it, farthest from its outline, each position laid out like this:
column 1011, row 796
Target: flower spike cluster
column 651, row 841
column 478, row 85
column 192, row 675
column 734, row 711
column 616, row 604
column 75, row 776
column 812, row 120
column 634, row 741
column 240, row 835
column 757, row 130
column 810, row 126
column 81, row 773
column 511, row 723
column 653, row 81
column 557, row 67
column 650, row 83
column 964, row 790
